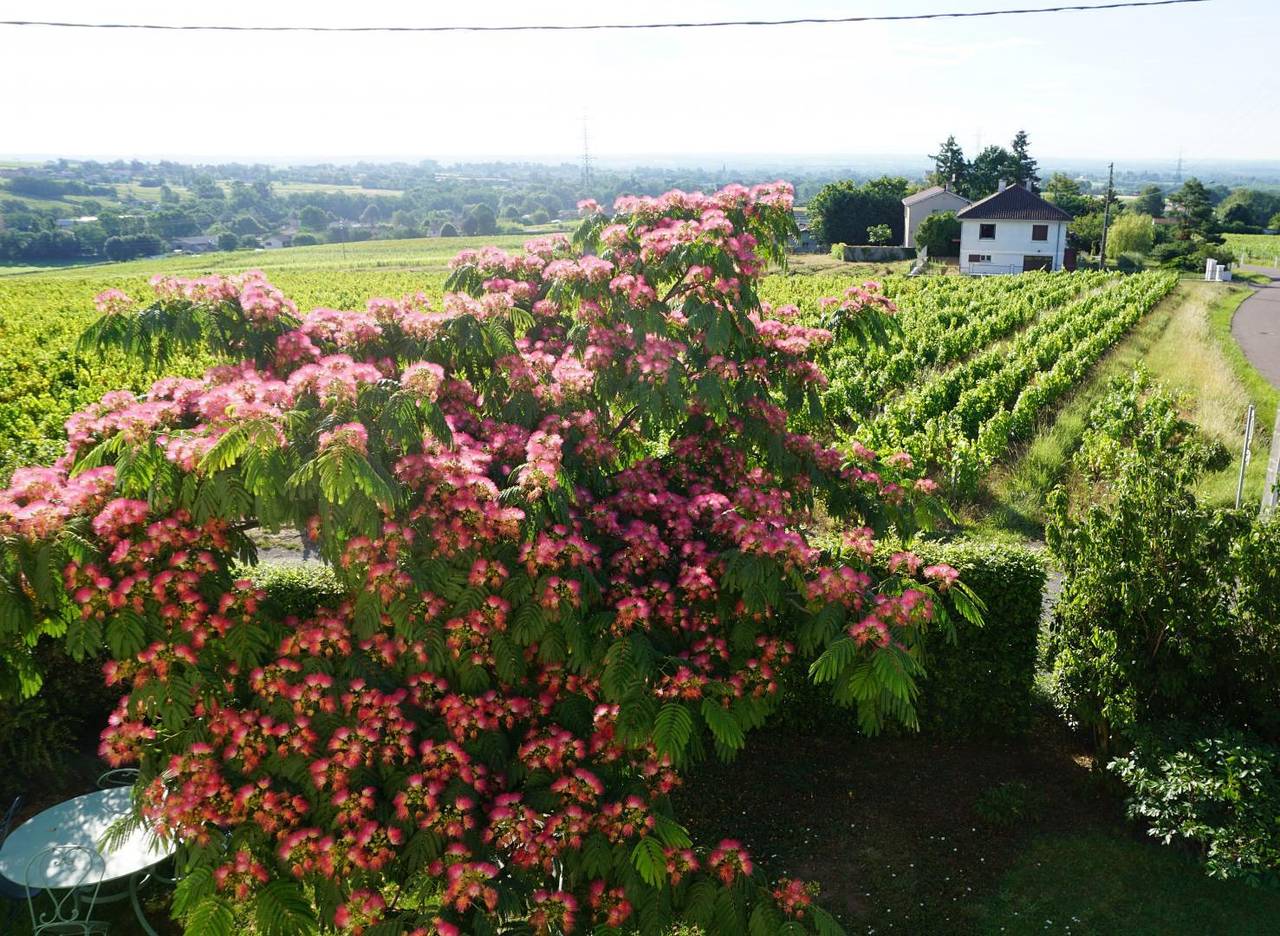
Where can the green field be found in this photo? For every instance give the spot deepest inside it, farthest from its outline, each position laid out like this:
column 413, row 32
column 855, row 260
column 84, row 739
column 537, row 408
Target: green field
column 998, row 352
column 1257, row 247
column 423, row 255
column 284, row 188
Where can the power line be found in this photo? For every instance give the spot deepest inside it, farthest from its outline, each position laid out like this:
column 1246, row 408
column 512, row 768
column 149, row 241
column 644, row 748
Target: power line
column 586, row 27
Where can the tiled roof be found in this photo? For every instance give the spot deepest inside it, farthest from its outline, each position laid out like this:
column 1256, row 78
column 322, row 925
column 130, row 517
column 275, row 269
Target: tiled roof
column 1015, row 203
column 925, row 194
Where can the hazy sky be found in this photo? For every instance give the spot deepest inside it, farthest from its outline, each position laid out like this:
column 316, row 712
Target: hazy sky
column 1121, row 84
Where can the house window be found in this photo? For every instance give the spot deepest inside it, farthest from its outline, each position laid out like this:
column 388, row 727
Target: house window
column 986, row 232
column 979, row 258
column 1040, row 232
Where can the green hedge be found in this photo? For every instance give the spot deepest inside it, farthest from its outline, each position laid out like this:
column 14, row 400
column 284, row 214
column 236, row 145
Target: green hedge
column 297, row 588
column 980, row 685
column 983, row 684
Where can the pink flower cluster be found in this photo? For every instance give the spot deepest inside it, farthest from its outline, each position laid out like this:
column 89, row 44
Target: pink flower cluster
column 466, row 708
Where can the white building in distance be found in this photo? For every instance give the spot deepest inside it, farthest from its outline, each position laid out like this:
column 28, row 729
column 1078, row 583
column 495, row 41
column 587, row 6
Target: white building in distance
column 1012, row 231
column 919, row 205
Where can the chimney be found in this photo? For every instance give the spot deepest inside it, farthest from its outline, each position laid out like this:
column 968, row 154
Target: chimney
column 1002, row 185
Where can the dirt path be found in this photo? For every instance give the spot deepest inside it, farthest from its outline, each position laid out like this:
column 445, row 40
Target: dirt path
column 1256, row 326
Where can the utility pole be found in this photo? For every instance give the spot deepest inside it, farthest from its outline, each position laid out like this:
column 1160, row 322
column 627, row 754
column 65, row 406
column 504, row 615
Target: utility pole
column 1106, row 214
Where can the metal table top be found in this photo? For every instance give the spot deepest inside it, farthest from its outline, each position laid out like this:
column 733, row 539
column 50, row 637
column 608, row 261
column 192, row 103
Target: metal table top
column 80, row 821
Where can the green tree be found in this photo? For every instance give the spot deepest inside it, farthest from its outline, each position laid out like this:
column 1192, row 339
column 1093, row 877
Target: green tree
column 1249, row 206
column 91, row 235
column 1131, row 233
column 227, row 241
column 1021, row 168
column 1236, row 213
column 304, row 239
column 940, row 234
column 1085, row 232
column 985, row 172
column 480, row 220
column 949, row 165
column 313, row 217
column 1193, row 208
column 247, row 224
column 128, row 246
column 842, row 212
column 1150, row 201
column 203, row 186
column 371, row 214
column 1064, row 192
column 1274, row 223
column 448, row 230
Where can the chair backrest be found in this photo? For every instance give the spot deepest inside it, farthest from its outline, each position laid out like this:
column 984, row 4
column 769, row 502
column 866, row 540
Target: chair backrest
column 120, row 777
column 7, row 824
column 77, row 871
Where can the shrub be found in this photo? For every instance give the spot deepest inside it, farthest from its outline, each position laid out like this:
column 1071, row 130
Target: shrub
column 879, row 234
column 1220, row 794
column 304, row 239
column 1168, row 609
column 940, row 234
column 1172, row 253
column 568, row 521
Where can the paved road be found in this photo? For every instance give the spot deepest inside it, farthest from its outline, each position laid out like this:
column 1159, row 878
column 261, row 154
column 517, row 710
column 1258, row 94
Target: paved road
column 1256, row 326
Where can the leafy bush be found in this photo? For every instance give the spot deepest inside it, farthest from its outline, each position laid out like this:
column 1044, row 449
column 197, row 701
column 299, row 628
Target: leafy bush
column 1169, row 610
column 1221, row 794
column 567, row 514
column 940, row 234
column 879, row 234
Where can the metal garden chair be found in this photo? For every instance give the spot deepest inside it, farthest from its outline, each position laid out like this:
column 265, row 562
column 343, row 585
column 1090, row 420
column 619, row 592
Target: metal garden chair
column 120, row 777
column 71, row 876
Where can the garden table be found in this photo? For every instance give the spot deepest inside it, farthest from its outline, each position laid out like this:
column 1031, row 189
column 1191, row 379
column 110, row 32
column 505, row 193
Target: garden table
column 85, row 821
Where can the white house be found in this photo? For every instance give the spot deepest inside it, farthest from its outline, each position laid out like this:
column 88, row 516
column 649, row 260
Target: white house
column 919, row 205
column 1012, row 231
